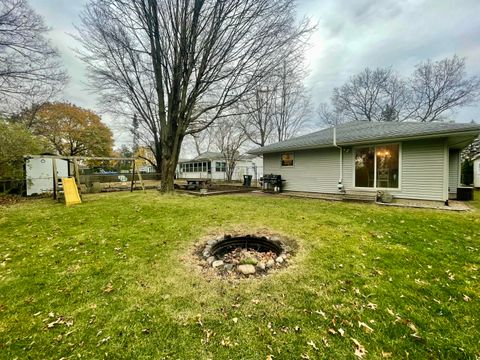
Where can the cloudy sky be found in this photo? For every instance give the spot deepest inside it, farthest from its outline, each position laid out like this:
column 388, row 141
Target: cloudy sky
column 351, row 35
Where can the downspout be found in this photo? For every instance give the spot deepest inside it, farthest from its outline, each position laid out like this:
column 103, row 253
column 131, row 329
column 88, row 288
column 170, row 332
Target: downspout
column 340, row 180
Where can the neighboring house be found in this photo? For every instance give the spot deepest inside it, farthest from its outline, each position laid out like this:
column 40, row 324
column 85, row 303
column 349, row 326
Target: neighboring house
column 212, row 165
column 476, row 171
column 408, row 160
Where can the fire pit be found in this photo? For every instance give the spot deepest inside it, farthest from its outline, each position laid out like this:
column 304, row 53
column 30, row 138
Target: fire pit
column 245, row 255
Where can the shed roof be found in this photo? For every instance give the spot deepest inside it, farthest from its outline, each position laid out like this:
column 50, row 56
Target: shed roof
column 358, row 132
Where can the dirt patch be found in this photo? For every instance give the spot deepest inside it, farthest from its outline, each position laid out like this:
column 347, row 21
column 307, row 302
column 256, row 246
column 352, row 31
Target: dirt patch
column 9, row 200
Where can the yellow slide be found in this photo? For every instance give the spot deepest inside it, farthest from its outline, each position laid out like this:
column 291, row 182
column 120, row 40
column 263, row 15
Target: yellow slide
column 71, row 191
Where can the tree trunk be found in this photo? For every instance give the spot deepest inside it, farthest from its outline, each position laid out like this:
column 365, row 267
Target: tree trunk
column 170, row 152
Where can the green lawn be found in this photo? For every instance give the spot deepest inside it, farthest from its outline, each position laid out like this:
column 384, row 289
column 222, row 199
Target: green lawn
column 113, row 278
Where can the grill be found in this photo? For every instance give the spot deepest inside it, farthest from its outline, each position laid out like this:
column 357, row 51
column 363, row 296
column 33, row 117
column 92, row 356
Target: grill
column 272, row 182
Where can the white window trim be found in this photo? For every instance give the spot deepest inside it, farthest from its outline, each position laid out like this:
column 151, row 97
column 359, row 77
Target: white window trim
column 375, row 188
column 287, row 166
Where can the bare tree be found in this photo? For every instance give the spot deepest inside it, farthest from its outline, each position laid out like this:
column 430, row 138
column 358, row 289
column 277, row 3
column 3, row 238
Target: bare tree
column 229, row 138
column 257, row 123
column 292, row 105
column 434, row 90
column 280, row 106
column 200, row 57
column 30, row 68
column 363, row 96
column 329, row 116
column 119, row 64
column 441, row 86
column 203, row 140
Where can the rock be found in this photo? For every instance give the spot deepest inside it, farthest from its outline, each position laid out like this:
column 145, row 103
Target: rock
column 279, row 260
column 229, row 267
column 211, row 242
column 261, row 266
column 270, row 264
column 217, row 263
column 246, row 269
column 206, row 254
column 210, row 260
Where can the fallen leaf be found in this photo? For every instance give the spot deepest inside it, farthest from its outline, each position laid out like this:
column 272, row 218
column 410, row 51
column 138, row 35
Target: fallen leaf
column 360, row 351
column 208, row 335
column 269, row 357
column 386, row 354
column 341, row 331
column 412, row 326
column 390, row 312
column 312, row 344
column 332, row 331
column 108, row 289
column 325, row 342
column 365, row 327
column 372, row 306
column 305, row 356
column 226, row 342
column 235, row 320
column 103, row 341
column 466, row 298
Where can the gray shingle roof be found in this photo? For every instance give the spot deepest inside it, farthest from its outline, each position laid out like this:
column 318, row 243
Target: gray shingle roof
column 362, row 131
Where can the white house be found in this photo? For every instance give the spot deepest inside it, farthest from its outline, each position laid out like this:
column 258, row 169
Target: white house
column 212, row 165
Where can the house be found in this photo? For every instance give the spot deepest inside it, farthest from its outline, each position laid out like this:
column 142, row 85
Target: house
column 212, row 165
column 409, row 160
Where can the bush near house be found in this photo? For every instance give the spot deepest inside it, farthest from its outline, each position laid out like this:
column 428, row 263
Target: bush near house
column 467, row 172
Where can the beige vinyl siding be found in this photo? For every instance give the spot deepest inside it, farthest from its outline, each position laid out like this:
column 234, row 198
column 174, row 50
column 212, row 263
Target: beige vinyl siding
column 453, row 171
column 423, row 170
column 313, row 170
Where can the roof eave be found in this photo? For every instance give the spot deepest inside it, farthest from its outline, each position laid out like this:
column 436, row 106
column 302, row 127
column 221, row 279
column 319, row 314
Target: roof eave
column 473, row 133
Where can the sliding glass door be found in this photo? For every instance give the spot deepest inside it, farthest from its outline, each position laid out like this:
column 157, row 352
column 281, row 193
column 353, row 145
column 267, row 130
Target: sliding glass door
column 377, row 166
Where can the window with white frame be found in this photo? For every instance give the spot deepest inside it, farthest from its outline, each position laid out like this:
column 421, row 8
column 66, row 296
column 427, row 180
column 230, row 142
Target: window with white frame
column 377, row 166
column 220, row 166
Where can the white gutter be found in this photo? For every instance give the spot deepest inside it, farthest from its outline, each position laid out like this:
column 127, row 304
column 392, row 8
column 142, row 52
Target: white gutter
column 340, row 181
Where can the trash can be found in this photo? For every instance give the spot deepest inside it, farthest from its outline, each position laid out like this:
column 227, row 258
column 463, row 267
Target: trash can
column 247, row 180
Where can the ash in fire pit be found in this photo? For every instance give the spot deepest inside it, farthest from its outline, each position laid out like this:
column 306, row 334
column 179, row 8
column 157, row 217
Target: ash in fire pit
column 245, row 255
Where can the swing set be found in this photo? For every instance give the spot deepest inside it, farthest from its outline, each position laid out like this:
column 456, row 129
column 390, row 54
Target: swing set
column 70, row 187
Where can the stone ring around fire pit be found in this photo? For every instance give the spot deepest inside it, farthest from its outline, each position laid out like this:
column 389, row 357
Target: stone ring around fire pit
column 245, row 255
